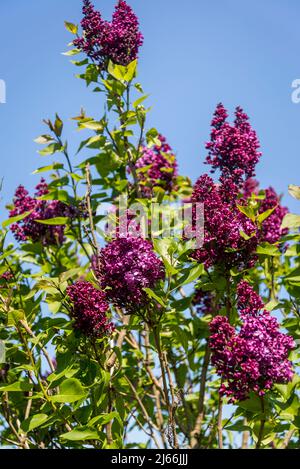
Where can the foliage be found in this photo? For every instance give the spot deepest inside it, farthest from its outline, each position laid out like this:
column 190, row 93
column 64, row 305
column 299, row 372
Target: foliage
column 63, row 385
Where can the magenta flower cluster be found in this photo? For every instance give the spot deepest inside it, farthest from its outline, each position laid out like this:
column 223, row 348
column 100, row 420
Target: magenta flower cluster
column 223, row 243
column 28, row 228
column 118, row 40
column 271, row 231
column 5, row 279
column 231, row 238
column 126, row 266
column 7, row 276
column 253, row 358
column 157, row 167
column 233, row 149
column 204, row 302
column 89, row 308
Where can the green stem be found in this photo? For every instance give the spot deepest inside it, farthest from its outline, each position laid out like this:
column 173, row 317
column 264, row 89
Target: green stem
column 262, row 423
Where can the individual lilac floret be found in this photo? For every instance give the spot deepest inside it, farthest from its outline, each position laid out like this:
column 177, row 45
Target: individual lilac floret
column 89, row 308
column 230, row 237
column 157, row 167
column 28, row 228
column 126, row 267
column 233, row 149
column 255, row 357
column 118, row 40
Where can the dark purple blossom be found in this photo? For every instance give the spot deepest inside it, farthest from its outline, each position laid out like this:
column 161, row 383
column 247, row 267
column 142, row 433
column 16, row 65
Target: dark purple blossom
column 118, row 40
column 271, row 227
column 255, row 357
column 89, row 308
column 7, row 276
column 157, row 167
column 28, row 227
column 5, row 279
column 233, row 149
column 230, row 237
column 204, row 301
column 271, row 230
column 126, row 266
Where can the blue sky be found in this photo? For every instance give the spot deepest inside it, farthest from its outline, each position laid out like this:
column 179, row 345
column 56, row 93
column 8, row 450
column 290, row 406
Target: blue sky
column 196, row 53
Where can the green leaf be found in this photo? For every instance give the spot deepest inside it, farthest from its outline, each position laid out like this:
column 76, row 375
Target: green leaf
column 51, row 167
column 248, row 211
column 123, row 73
column 291, row 221
column 44, row 139
column 18, row 386
column 71, row 390
column 15, row 219
column 154, row 296
column 34, row 422
column 294, row 191
column 14, row 317
column 54, row 221
column 72, row 28
column 268, row 250
column 50, row 149
column 272, row 305
column 81, row 434
column 71, row 52
column 92, row 125
column 103, row 419
column 140, row 100
column 263, row 216
column 58, row 125
column 190, row 275
column 252, row 405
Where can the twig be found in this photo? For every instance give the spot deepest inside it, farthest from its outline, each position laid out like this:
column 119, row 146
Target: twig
column 219, row 424
column 288, row 438
column 195, row 434
column 163, row 366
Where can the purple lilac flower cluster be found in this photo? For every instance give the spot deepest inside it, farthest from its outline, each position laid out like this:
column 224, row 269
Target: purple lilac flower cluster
column 223, row 243
column 157, row 167
column 5, row 278
column 204, row 302
column 118, row 40
column 231, row 238
column 89, row 309
column 233, row 149
column 126, row 266
column 28, row 227
column 271, row 227
column 255, row 357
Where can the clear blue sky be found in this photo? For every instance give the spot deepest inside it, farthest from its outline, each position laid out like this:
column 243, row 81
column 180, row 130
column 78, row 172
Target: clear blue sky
column 196, row 53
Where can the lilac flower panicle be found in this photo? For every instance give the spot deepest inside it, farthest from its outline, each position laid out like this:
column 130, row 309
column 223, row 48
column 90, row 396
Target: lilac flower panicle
column 157, row 167
column 28, row 228
column 127, row 265
column 271, row 230
column 233, row 149
column 5, row 279
column 118, row 40
column 89, row 308
column 223, row 243
column 271, row 227
column 204, row 302
column 255, row 357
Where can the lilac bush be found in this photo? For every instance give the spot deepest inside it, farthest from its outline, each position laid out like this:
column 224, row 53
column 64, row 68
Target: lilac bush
column 105, row 332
